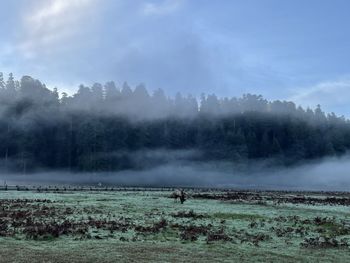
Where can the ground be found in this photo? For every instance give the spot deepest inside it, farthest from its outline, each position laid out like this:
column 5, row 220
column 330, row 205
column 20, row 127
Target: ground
column 139, row 225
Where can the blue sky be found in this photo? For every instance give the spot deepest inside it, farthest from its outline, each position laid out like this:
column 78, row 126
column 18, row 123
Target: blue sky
column 294, row 49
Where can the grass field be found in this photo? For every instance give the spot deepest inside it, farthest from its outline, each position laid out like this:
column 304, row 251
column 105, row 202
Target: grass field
column 148, row 226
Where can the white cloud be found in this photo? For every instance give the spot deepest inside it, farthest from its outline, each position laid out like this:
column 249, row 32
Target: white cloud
column 49, row 22
column 163, row 8
column 330, row 94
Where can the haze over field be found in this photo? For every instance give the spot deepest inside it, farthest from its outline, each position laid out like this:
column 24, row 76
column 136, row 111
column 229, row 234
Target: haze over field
column 326, row 175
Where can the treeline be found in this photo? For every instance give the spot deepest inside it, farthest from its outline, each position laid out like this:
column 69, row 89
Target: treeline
column 104, row 128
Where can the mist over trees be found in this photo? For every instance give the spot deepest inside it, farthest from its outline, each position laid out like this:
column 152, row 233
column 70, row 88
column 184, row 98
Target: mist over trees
column 110, row 128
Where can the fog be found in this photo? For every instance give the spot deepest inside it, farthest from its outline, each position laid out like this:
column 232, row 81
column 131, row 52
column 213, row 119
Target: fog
column 122, row 135
column 330, row 174
column 29, row 99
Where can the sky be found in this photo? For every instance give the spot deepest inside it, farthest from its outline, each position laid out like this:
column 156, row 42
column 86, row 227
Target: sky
column 289, row 50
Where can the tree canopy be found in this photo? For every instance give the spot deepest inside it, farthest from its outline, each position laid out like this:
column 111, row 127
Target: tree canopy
column 100, row 128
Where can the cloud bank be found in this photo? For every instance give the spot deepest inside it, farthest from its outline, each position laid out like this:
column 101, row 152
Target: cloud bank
column 48, row 24
column 332, row 95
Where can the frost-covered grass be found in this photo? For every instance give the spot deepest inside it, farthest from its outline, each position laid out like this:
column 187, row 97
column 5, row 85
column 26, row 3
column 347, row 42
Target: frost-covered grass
column 157, row 229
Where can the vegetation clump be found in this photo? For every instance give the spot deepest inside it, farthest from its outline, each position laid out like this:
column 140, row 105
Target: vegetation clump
column 155, row 228
column 324, row 242
column 192, row 232
column 188, row 214
column 219, row 235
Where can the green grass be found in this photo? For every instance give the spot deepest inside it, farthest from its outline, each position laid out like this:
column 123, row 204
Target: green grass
column 146, row 208
column 235, row 216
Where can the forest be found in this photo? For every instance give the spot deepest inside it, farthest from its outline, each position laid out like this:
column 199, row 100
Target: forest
column 107, row 128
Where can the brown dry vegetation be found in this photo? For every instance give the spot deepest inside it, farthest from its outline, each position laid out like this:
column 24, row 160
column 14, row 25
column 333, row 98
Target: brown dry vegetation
column 148, row 226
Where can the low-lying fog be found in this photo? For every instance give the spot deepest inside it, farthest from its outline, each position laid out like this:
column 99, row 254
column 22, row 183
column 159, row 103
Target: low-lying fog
column 329, row 175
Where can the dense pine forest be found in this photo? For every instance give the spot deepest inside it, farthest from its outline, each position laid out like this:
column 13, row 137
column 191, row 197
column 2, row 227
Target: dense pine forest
column 106, row 128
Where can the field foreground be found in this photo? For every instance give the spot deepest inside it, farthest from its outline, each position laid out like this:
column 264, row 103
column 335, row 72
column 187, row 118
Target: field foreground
column 129, row 225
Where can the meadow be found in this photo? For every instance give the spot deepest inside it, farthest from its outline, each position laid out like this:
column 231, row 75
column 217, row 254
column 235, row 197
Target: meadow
column 139, row 225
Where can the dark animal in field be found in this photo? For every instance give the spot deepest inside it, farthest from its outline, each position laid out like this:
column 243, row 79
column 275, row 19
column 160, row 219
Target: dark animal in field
column 179, row 194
